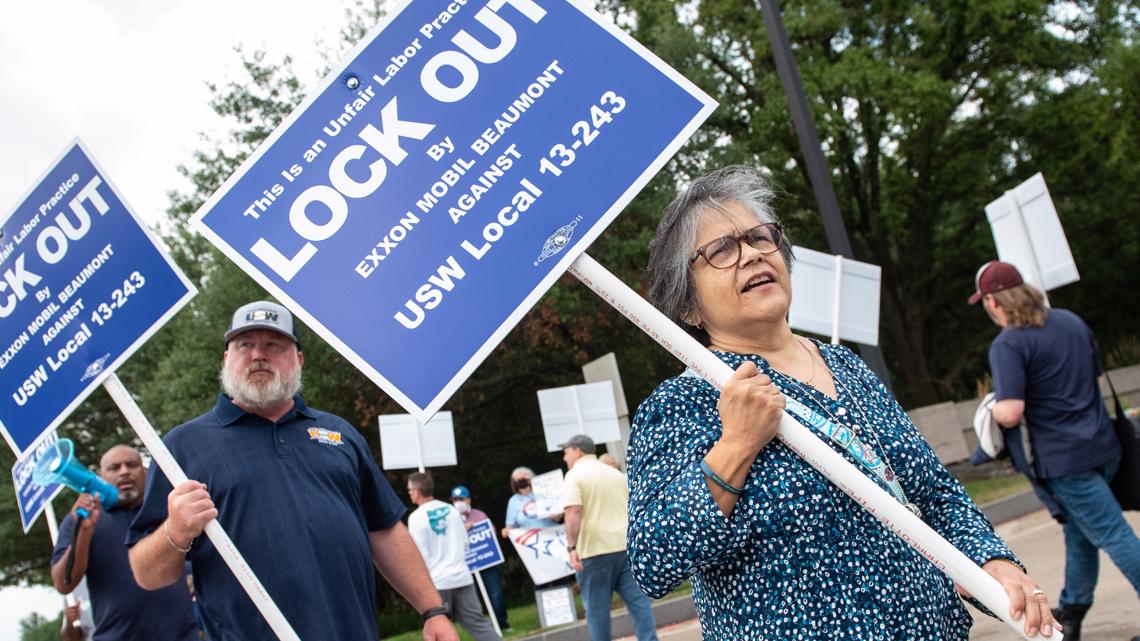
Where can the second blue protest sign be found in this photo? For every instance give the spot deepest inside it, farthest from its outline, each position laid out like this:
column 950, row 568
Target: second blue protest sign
column 424, row 198
column 483, row 549
column 31, row 497
column 84, row 284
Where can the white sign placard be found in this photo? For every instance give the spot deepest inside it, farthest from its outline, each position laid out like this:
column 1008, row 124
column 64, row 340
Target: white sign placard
column 1028, row 234
column 814, row 295
column 579, row 409
column 401, row 450
column 556, row 606
column 547, row 489
column 543, row 552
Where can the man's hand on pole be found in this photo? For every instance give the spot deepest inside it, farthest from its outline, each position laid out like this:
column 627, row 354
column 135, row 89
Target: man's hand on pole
column 189, row 509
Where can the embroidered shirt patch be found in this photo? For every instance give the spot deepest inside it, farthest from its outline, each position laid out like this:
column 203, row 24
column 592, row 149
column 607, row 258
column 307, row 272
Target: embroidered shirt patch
column 328, row 437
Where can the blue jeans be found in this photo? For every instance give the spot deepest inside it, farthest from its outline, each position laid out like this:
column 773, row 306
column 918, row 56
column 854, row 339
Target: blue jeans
column 1095, row 521
column 600, row 576
column 495, row 594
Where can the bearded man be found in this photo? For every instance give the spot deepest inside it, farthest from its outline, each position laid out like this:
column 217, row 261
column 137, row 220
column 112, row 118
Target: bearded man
column 297, row 490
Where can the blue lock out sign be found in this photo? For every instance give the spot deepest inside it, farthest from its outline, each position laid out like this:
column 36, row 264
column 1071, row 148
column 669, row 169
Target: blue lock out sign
column 439, row 182
column 83, row 284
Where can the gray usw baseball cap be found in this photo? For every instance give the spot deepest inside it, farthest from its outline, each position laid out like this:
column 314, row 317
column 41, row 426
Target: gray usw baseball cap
column 263, row 315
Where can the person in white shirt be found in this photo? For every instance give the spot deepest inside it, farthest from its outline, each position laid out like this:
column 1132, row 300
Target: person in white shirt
column 437, row 528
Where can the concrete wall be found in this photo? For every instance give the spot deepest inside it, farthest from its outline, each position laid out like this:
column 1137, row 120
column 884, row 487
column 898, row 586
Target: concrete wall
column 949, row 426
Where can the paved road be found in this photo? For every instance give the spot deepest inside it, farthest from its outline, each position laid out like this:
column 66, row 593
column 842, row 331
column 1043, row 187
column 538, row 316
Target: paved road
column 1038, row 540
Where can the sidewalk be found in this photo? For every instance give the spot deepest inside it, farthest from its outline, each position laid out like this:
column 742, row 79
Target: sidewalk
column 670, row 613
column 1037, row 539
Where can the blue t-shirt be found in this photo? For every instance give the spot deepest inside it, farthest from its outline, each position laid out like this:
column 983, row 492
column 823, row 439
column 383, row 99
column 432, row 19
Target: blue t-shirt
column 522, row 512
column 119, row 607
column 298, row 498
column 1054, row 369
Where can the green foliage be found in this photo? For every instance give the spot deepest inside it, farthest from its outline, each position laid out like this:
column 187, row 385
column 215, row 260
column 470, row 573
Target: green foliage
column 926, row 111
column 36, row 627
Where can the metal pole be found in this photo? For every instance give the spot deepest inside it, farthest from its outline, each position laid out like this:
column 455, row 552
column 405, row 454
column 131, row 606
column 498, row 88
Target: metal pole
column 814, row 162
column 837, row 300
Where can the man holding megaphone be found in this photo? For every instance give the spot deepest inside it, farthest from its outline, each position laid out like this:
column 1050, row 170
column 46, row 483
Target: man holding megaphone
column 91, row 545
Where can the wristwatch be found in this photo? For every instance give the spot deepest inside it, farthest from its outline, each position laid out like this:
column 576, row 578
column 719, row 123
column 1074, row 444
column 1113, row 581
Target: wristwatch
column 436, row 611
column 571, row 548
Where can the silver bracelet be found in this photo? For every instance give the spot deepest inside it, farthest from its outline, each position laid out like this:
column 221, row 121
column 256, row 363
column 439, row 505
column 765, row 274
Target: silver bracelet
column 166, row 531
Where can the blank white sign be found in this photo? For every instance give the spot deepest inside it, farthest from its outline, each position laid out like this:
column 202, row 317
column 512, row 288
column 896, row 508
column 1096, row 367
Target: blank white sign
column 560, row 414
column 398, row 441
column 813, row 296
column 1046, row 244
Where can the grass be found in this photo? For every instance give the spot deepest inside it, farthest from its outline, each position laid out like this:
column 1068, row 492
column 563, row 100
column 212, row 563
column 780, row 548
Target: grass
column 524, row 619
column 989, row 490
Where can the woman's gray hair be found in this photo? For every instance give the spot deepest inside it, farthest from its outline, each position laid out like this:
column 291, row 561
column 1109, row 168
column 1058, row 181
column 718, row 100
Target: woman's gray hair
column 671, row 287
column 520, row 471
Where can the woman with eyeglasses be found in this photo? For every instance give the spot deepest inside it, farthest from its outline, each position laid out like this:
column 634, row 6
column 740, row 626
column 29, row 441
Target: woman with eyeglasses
column 774, row 550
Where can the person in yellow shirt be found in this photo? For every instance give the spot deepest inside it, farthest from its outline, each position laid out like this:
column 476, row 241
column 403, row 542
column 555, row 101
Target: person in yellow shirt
column 595, row 497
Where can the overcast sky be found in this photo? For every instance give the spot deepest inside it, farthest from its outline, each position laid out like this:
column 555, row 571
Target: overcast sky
column 128, row 77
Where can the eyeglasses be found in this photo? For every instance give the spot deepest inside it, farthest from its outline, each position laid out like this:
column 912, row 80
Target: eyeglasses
column 724, row 252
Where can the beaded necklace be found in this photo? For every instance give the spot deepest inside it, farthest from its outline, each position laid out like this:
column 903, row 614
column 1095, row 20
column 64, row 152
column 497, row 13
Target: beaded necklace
column 848, row 436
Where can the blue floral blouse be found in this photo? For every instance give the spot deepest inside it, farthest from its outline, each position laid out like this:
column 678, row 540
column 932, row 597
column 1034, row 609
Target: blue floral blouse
column 797, row 559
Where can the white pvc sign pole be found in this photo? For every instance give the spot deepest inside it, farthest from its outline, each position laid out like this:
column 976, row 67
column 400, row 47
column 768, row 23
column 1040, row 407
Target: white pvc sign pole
column 52, row 523
column 487, row 602
column 419, row 443
column 225, row 547
column 578, row 410
column 810, row 448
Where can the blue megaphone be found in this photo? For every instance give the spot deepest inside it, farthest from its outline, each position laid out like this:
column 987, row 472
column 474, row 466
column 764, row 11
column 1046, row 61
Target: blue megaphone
column 58, row 465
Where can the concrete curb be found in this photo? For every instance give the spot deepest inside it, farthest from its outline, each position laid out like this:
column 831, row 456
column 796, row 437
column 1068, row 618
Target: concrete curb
column 681, row 608
column 1012, row 507
column 665, row 612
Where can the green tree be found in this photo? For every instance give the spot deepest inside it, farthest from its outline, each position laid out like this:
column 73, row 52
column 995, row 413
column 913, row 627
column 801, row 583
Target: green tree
column 36, row 627
column 924, row 112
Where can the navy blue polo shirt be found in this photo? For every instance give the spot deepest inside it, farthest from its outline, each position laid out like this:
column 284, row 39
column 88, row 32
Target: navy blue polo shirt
column 1054, row 369
column 298, row 498
column 119, row 607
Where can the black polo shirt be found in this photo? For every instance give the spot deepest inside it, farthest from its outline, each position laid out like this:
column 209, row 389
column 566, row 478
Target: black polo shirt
column 119, row 607
column 298, row 497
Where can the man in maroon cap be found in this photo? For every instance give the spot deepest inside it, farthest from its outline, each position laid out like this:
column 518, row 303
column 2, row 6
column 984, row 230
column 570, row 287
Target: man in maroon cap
column 1045, row 367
